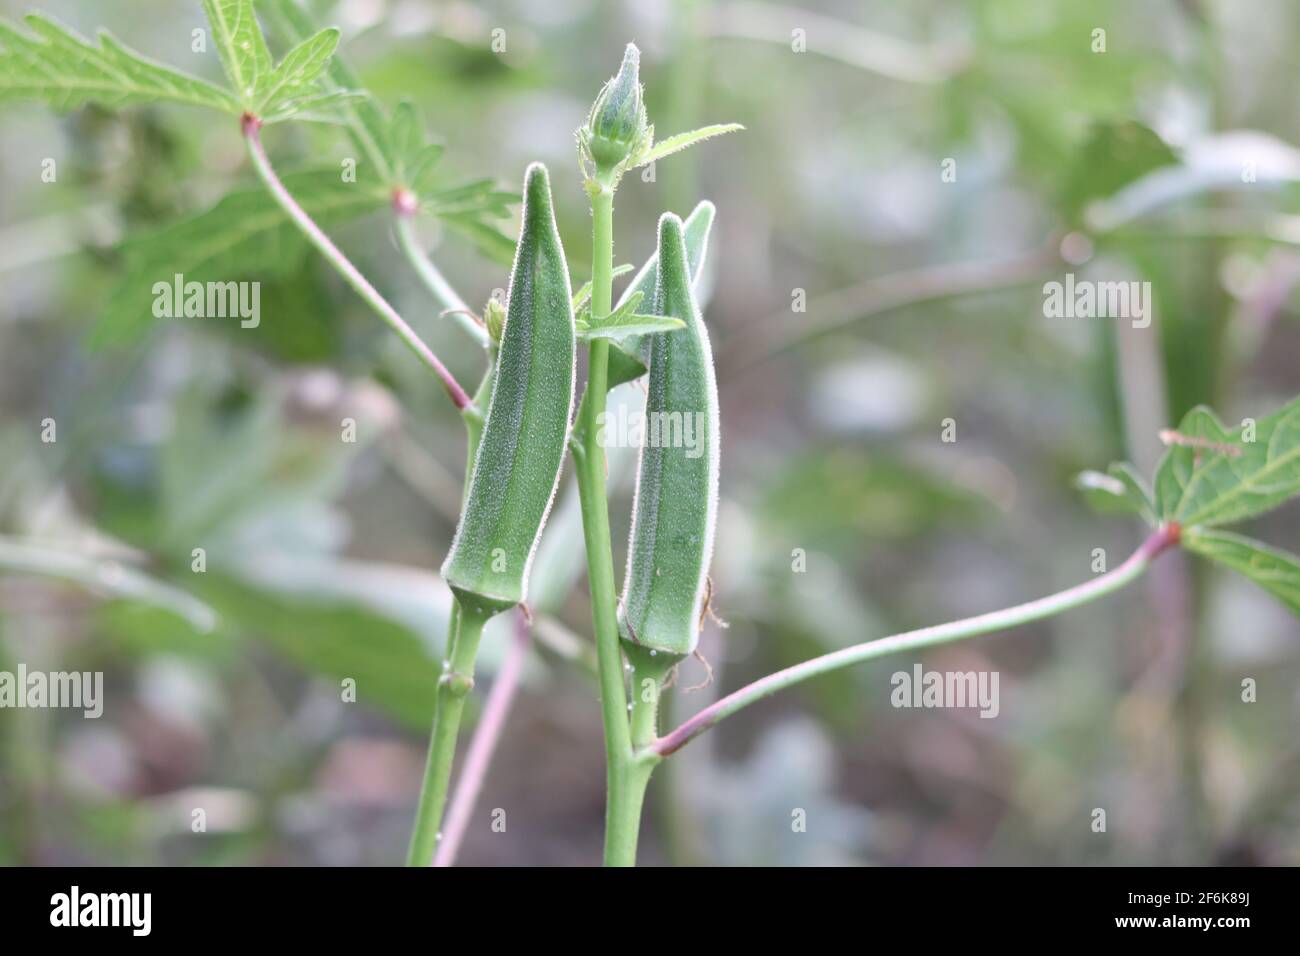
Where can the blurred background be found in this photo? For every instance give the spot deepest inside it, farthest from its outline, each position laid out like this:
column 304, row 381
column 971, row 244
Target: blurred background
column 909, row 178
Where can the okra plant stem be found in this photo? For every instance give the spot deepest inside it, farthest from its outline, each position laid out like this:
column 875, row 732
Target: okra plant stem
column 1133, row 568
column 453, row 687
column 623, row 794
column 483, row 744
column 434, row 280
column 361, row 285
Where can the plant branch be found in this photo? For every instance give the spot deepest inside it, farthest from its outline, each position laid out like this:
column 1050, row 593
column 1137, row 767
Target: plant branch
column 432, row 277
column 453, row 687
column 839, row 40
column 623, row 794
column 483, row 744
column 1161, row 539
column 251, row 126
column 837, row 310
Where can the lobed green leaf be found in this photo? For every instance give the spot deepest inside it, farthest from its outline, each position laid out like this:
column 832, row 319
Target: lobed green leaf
column 245, row 234
column 1278, row 572
column 297, row 75
column 1119, row 490
column 64, row 71
column 1213, row 476
column 241, row 46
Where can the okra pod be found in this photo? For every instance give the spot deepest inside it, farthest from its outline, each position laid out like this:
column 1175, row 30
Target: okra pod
column 675, row 507
column 628, row 360
column 517, row 466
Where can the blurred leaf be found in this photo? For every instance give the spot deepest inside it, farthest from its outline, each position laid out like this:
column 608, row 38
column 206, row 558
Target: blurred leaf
column 1212, row 163
column 105, row 577
column 65, row 71
column 403, row 155
column 1114, row 155
column 840, row 496
column 488, row 239
column 245, row 234
column 295, row 78
column 1120, row 490
column 241, row 46
column 366, row 122
column 314, row 108
column 1278, row 572
column 1210, row 476
column 394, row 671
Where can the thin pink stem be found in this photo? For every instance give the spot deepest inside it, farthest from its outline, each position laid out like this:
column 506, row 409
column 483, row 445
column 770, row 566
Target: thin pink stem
column 1162, row 538
column 316, row 236
column 483, row 744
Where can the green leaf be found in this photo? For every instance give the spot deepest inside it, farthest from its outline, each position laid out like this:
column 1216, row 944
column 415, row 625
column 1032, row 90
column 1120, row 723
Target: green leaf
column 1213, row 476
column 64, row 70
column 679, row 142
column 241, row 46
column 401, row 153
column 484, row 236
column 1119, row 490
column 314, row 108
column 1113, row 155
column 103, row 576
column 625, row 321
column 1278, row 572
column 245, row 234
column 297, row 75
column 584, row 291
column 630, row 324
column 367, row 125
column 628, row 361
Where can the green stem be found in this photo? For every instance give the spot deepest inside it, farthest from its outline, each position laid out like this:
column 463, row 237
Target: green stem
column 343, row 265
column 1133, row 568
column 434, row 280
column 461, row 657
column 626, row 777
column 453, row 687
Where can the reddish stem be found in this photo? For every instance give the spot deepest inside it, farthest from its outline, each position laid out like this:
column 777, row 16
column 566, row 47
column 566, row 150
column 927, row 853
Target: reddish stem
column 1160, row 540
column 251, row 127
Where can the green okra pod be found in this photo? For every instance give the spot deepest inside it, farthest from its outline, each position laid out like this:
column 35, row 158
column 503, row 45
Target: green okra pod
column 628, row 361
column 675, row 508
column 517, row 466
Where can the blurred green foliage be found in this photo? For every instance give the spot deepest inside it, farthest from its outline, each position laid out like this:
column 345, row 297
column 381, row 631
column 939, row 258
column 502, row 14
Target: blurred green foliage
column 1168, row 158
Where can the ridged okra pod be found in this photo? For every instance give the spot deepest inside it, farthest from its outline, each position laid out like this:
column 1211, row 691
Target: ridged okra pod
column 675, row 508
column 629, row 360
column 517, row 466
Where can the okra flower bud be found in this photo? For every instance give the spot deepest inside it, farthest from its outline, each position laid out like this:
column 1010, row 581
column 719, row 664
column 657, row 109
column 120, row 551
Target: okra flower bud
column 616, row 126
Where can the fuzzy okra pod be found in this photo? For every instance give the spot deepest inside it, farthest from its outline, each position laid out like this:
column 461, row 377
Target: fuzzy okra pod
column 630, row 359
column 517, row 466
column 675, row 508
